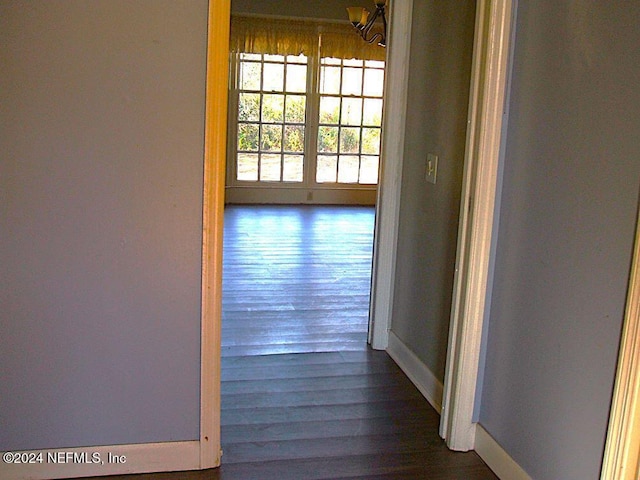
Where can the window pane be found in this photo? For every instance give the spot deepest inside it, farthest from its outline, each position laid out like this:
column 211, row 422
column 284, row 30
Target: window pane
column 330, row 80
column 274, row 58
column 331, row 61
column 249, row 76
column 271, row 140
column 369, row 170
column 372, row 112
column 352, row 62
column 374, row 63
column 350, row 140
column 247, row 167
column 294, row 138
column 292, row 168
column 328, row 139
column 371, row 141
column 250, row 56
column 296, row 78
column 249, row 106
column 247, row 136
column 352, row 81
column 273, row 77
column 270, row 168
column 326, row 169
column 296, row 105
column 351, row 111
column 296, row 59
column 272, row 108
column 373, row 82
column 329, row 109
column 348, row 168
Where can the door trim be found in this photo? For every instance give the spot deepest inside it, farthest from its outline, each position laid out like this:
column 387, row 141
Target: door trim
column 389, row 188
column 215, row 141
column 622, row 448
column 492, row 44
column 489, row 77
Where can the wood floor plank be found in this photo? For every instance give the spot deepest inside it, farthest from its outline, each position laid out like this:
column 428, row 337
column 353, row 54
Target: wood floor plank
column 302, row 384
column 312, row 347
column 368, row 357
column 437, row 466
column 268, row 415
column 307, row 372
column 406, row 425
column 336, row 396
column 336, row 447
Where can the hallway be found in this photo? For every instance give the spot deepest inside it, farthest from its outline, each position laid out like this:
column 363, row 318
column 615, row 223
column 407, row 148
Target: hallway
column 303, row 397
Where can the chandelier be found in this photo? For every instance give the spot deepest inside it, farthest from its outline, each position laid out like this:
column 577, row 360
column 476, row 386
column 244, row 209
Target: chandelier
column 359, row 18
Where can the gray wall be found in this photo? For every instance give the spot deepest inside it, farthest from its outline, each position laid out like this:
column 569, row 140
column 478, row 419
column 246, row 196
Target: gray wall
column 569, row 201
column 101, row 144
column 318, row 9
column 439, row 76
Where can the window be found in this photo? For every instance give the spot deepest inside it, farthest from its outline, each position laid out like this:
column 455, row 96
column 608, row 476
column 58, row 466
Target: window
column 350, row 121
column 271, row 118
column 299, row 116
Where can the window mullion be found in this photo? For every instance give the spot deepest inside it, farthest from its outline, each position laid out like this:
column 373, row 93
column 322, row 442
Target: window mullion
column 312, row 119
column 232, row 120
column 341, row 96
column 362, row 98
column 260, row 125
column 285, row 72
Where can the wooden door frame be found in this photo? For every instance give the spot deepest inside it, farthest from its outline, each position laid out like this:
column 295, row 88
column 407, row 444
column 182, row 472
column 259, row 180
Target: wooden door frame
column 392, row 150
column 215, row 143
column 622, row 450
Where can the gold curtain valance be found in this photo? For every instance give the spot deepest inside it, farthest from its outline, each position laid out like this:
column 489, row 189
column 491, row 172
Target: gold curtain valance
column 341, row 41
column 277, row 36
column 272, row 36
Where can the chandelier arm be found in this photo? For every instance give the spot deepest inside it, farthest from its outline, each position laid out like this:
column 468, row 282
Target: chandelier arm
column 374, row 38
column 365, row 30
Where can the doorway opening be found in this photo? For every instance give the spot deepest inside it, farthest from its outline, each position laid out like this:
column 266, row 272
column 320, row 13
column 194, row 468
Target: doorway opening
column 303, row 153
column 385, row 233
column 304, row 144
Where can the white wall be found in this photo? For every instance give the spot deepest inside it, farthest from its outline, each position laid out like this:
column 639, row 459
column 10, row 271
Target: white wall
column 101, row 141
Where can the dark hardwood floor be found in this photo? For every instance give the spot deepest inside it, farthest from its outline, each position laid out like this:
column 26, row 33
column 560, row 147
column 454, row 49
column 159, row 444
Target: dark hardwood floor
column 303, row 397
column 333, row 415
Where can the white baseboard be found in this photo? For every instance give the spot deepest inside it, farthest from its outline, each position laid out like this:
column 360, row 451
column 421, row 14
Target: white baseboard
column 496, row 458
column 419, row 374
column 102, row 460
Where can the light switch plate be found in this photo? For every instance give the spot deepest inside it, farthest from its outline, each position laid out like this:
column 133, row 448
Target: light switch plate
column 432, row 168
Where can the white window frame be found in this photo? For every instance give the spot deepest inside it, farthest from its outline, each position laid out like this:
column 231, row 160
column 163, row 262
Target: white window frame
column 233, row 117
column 309, row 190
column 318, row 123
